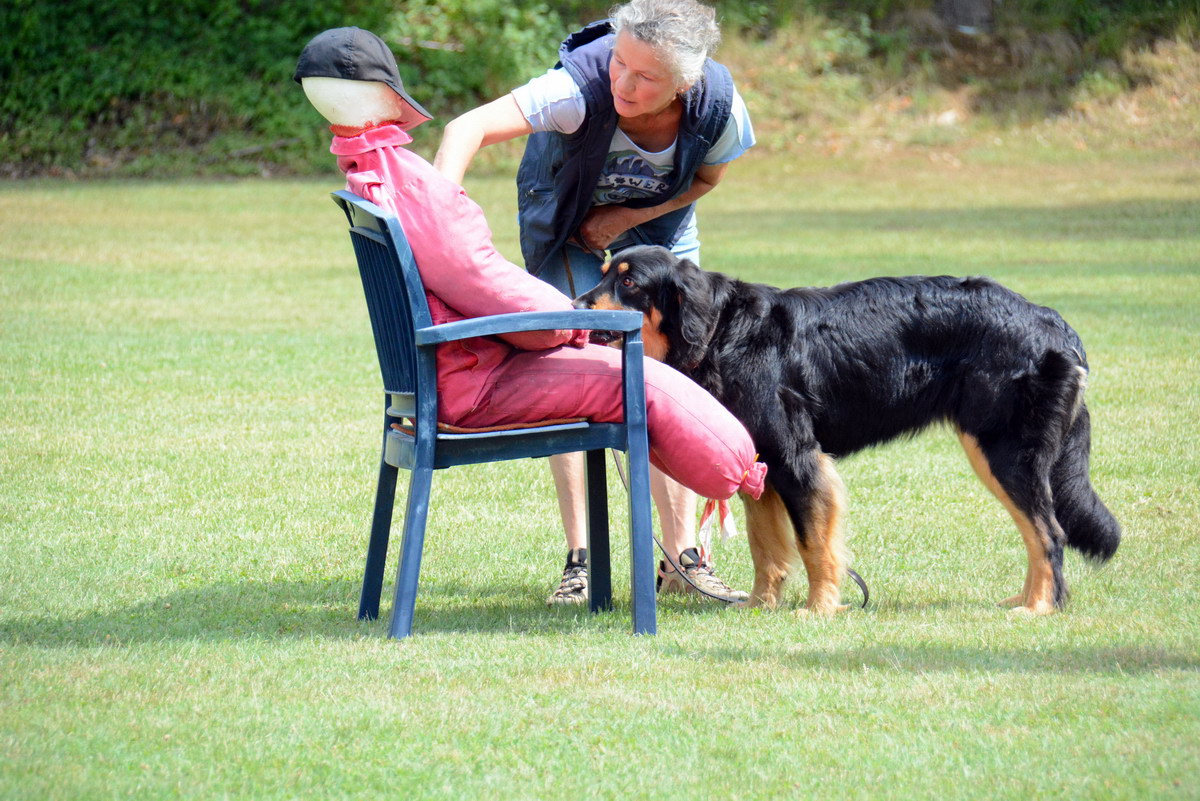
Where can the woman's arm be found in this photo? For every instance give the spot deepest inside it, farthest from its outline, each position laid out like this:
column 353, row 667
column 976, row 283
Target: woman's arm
column 497, row 121
column 605, row 223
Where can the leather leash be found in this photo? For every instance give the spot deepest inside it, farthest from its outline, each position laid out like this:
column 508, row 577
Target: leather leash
column 862, row 585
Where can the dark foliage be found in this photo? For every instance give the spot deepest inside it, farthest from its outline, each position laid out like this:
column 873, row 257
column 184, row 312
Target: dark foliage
column 105, row 87
column 91, row 84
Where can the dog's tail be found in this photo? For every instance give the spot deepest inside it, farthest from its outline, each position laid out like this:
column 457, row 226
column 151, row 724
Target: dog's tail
column 1089, row 525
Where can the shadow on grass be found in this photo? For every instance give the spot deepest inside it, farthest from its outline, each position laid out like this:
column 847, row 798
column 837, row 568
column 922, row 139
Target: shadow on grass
column 326, row 609
column 942, row 658
column 303, row 609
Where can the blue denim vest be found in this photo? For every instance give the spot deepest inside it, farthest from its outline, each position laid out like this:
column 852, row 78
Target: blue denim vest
column 558, row 172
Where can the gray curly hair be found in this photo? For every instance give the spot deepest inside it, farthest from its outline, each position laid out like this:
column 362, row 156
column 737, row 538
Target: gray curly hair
column 684, row 32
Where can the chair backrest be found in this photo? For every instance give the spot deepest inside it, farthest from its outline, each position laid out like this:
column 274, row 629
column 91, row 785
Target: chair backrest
column 395, row 301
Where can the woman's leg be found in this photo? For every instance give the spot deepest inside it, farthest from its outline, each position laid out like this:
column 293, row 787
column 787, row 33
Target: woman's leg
column 676, row 506
column 579, row 272
column 570, row 486
column 677, row 513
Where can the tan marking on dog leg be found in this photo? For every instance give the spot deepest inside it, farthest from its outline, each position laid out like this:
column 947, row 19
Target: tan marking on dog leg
column 1037, row 595
column 772, row 546
column 824, row 550
column 654, row 341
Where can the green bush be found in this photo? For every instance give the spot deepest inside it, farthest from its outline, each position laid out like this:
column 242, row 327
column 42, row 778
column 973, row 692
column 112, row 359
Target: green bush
column 204, row 86
column 117, row 81
column 191, row 86
column 462, row 51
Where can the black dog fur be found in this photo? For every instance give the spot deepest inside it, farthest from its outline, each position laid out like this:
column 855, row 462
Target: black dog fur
column 815, row 373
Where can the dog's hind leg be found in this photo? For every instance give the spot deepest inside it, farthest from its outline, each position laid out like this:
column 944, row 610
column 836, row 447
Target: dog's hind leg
column 1026, row 496
column 772, row 546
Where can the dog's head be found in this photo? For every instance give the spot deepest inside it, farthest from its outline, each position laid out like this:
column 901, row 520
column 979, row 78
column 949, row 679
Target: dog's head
column 673, row 294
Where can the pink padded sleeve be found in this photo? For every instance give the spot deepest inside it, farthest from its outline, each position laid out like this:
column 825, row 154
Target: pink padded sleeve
column 449, row 236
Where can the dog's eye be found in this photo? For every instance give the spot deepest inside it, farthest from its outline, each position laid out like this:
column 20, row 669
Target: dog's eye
column 626, row 281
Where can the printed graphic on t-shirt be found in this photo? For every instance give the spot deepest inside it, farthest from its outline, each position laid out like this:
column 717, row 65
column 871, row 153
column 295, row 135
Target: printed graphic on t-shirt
column 628, row 175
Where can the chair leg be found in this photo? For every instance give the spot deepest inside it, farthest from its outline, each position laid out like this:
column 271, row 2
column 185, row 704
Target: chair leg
column 641, row 548
column 599, row 567
column 381, row 526
column 416, row 513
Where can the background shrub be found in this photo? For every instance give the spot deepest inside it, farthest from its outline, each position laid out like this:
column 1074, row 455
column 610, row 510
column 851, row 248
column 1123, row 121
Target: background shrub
column 115, row 82
column 114, row 87
column 463, row 51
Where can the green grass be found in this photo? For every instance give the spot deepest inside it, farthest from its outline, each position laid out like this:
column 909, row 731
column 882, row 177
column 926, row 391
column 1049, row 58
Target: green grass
column 188, row 432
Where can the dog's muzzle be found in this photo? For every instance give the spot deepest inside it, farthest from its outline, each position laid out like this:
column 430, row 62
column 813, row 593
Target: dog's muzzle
column 605, row 337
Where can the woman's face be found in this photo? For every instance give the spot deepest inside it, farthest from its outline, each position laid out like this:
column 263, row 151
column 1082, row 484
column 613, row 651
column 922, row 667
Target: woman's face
column 641, row 82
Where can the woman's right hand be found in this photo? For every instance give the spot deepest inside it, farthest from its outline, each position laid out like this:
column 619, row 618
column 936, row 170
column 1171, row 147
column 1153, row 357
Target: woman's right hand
column 603, row 224
column 484, row 125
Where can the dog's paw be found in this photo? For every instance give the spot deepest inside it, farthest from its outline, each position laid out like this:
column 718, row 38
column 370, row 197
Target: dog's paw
column 768, row 602
column 824, row 610
column 1013, row 602
column 1036, row 610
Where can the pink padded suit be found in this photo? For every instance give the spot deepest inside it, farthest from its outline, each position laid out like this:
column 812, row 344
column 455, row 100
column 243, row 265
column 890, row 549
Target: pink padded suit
column 539, row 375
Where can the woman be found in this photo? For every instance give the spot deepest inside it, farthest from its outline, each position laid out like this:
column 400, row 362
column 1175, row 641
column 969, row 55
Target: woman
column 633, row 126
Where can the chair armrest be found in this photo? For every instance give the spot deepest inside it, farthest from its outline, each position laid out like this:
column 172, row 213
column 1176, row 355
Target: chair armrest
column 589, row 319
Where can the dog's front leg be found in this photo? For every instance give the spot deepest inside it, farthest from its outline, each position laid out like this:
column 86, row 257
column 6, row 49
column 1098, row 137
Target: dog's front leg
column 819, row 498
column 822, row 543
column 772, row 546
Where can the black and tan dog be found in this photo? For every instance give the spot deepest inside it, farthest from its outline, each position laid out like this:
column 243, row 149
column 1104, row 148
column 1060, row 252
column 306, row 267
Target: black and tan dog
column 818, row 373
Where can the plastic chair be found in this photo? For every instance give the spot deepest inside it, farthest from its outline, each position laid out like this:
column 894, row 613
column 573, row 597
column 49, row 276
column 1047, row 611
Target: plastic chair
column 406, row 340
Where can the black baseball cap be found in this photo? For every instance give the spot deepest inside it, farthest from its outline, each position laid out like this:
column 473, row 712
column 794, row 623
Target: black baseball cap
column 356, row 55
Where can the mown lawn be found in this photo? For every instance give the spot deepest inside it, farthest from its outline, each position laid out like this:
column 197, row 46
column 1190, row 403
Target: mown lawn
column 188, row 431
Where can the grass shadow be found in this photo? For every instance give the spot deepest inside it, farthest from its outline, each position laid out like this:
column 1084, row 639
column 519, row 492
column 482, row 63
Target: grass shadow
column 326, row 609
column 304, row 609
column 959, row 660
column 226, row 610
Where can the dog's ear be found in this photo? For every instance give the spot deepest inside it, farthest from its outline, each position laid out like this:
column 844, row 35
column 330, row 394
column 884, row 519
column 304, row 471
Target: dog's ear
column 689, row 314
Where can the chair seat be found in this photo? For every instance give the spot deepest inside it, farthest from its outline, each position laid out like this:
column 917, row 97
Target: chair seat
column 448, row 429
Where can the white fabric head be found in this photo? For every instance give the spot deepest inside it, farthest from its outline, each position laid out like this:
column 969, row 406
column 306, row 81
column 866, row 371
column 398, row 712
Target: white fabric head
column 355, row 104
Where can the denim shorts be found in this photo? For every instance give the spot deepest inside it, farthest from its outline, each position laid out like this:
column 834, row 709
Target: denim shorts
column 578, row 270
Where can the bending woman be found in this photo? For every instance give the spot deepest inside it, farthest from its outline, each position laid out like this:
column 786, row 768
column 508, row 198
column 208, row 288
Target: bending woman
column 626, row 133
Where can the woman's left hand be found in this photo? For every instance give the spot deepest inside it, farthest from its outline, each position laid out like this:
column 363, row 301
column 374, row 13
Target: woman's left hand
column 602, row 225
